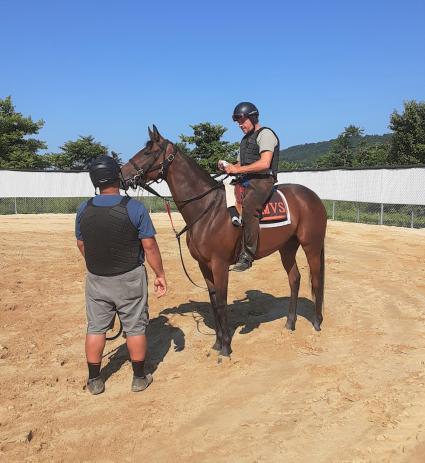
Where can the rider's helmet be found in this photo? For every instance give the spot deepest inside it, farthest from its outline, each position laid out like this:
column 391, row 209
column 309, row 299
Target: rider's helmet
column 104, row 170
column 246, row 109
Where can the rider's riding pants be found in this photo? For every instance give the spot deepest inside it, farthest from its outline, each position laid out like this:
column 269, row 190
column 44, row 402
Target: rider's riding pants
column 256, row 194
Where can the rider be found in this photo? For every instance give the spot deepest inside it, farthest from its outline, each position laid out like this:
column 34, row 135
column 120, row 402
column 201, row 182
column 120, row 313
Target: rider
column 114, row 234
column 257, row 168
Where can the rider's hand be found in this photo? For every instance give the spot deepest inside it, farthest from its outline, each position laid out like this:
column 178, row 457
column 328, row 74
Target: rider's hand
column 231, row 169
column 160, row 286
column 222, row 164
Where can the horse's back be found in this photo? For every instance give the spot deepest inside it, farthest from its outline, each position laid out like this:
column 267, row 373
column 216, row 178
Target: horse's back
column 306, row 208
column 299, row 191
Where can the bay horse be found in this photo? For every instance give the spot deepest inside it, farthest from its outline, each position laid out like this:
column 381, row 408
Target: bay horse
column 215, row 243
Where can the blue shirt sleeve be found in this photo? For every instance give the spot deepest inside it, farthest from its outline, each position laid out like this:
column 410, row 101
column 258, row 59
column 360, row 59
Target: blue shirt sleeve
column 140, row 218
column 80, row 211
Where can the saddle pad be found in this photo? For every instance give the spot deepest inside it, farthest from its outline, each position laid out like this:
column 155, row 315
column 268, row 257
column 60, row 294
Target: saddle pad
column 275, row 212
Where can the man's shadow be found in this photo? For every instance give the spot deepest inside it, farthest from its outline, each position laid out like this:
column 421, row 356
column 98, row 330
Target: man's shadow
column 248, row 313
column 160, row 335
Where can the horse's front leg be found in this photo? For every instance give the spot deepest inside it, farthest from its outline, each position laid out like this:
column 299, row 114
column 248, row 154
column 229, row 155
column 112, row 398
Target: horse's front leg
column 220, row 271
column 209, row 280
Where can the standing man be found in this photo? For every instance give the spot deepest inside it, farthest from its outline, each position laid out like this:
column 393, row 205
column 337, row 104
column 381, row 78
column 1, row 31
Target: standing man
column 115, row 234
column 257, row 166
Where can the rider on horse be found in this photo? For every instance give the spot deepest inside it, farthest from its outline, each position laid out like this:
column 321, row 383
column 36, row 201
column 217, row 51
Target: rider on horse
column 257, row 170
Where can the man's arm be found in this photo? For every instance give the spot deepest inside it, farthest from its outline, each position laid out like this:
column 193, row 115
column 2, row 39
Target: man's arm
column 262, row 164
column 80, row 245
column 153, row 257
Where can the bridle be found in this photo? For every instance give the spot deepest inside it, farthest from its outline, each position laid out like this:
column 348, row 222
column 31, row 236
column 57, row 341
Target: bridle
column 139, row 179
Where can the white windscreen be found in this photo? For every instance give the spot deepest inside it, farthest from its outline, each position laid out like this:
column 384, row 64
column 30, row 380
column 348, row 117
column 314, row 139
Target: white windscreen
column 388, row 186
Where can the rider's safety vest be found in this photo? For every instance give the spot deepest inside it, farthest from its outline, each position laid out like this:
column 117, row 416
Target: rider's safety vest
column 250, row 151
column 111, row 243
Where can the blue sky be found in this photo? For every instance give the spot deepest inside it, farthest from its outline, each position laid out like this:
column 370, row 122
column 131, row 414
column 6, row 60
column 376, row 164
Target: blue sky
column 110, row 69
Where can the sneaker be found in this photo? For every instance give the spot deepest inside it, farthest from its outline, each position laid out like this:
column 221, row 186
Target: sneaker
column 96, row 385
column 140, row 384
column 237, row 221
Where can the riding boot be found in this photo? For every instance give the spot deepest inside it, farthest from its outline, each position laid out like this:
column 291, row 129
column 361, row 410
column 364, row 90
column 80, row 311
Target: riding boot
column 256, row 195
column 244, row 262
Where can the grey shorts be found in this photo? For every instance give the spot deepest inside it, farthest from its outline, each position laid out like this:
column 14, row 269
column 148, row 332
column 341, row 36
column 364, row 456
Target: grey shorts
column 125, row 295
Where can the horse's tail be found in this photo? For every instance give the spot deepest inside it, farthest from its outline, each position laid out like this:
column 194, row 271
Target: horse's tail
column 321, row 278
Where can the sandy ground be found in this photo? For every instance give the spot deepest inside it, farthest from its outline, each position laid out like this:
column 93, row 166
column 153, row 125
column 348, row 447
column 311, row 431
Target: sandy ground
column 353, row 393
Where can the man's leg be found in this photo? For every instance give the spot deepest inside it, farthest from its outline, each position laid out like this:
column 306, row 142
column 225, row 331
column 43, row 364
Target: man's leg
column 100, row 313
column 137, row 347
column 134, row 315
column 95, row 343
column 257, row 193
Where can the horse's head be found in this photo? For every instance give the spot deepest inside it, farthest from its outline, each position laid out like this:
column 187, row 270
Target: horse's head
column 151, row 162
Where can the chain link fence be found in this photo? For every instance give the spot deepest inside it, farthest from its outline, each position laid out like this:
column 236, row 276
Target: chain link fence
column 399, row 215
column 64, row 205
column 381, row 214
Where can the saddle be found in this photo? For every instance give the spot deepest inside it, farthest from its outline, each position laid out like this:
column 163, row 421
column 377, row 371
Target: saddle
column 274, row 211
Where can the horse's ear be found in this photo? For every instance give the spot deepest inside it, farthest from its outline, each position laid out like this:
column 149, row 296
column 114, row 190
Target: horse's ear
column 157, row 135
column 151, row 134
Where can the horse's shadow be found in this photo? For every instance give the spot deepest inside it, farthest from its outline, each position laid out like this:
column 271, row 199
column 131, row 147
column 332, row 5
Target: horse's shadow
column 248, row 313
column 160, row 335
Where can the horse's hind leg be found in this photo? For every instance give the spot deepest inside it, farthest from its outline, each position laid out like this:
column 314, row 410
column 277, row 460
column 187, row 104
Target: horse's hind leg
column 316, row 261
column 287, row 254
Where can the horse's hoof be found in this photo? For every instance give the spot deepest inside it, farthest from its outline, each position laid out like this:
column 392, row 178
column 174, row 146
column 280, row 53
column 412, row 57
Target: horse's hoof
column 226, row 351
column 290, row 325
column 217, row 346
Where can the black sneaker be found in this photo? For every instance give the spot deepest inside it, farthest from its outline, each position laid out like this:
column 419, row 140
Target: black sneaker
column 140, row 384
column 96, row 385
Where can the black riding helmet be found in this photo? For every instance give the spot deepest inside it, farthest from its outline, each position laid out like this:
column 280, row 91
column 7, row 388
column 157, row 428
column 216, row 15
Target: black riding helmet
column 246, row 109
column 104, row 170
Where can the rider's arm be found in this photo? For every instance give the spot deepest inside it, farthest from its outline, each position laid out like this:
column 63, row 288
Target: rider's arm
column 262, row 164
column 153, row 257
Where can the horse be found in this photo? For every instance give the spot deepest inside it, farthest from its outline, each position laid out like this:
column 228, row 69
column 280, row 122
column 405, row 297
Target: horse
column 215, row 243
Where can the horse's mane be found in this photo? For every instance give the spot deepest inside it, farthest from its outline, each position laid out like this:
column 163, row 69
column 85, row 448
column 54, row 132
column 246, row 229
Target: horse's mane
column 191, row 161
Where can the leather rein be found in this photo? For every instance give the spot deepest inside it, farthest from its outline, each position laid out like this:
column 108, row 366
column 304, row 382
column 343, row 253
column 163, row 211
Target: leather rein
column 139, row 180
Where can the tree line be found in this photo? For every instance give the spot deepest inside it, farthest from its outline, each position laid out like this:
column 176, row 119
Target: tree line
column 405, row 145
column 19, row 148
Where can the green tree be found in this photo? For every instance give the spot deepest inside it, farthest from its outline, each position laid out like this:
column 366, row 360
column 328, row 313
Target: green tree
column 291, row 165
column 78, row 154
column 371, row 155
column 343, row 149
column 408, row 141
column 208, row 148
column 17, row 150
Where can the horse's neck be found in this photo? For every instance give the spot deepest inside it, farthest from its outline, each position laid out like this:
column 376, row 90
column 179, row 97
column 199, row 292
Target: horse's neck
column 186, row 179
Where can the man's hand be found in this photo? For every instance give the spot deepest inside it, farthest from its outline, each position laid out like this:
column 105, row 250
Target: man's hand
column 160, row 286
column 231, row 169
column 153, row 257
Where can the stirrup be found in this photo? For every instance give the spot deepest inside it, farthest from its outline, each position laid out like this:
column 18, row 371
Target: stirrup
column 236, row 221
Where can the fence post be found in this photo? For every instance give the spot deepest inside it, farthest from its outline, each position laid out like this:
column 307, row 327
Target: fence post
column 16, row 207
column 333, row 210
column 411, row 219
column 358, row 213
column 381, row 218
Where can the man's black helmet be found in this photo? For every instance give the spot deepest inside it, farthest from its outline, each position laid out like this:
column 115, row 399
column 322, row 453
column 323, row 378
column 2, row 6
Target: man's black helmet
column 104, row 170
column 246, row 109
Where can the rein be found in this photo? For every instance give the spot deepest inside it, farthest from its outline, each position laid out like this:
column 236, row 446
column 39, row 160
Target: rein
column 137, row 179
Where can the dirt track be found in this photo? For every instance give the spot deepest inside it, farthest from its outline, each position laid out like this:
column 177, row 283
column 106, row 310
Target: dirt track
column 353, row 393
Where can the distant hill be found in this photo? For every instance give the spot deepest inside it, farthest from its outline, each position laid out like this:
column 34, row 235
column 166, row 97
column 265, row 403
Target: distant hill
column 309, row 152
